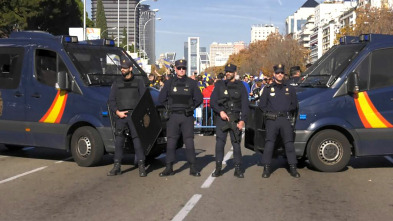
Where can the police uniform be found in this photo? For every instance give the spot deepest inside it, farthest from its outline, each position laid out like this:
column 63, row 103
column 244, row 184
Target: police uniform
column 124, row 96
column 232, row 98
column 181, row 96
column 278, row 102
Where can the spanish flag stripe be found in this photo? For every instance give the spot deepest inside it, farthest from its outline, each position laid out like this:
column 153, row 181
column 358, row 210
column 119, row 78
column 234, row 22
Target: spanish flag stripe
column 361, row 114
column 369, row 111
column 50, row 109
column 56, row 110
column 58, row 119
column 378, row 115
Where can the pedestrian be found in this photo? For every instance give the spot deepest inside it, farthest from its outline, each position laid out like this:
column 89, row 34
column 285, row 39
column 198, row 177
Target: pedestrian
column 206, row 112
column 295, row 75
column 278, row 103
column 124, row 96
column 181, row 95
column 229, row 101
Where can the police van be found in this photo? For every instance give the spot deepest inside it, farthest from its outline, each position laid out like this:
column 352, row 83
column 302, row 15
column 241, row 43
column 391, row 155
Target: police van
column 54, row 92
column 345, row 105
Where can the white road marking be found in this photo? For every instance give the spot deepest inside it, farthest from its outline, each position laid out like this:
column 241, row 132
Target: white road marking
column 208, row 182
column 187, row 208
column 62, row 161
column 22, row 174
column 389, row 158
column 227, row 156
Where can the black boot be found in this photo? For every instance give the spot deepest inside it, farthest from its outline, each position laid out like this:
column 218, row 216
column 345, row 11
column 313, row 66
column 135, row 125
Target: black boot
column 218, row 171
column 168, row 170
column 142, row 170
column 116, row 169
column 266, row 171
column 293, row 171
column 194, row 171
column 238, row 171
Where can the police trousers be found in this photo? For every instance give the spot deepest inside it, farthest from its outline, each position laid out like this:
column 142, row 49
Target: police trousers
column 221, row 139
column 120, row 137
column 283, row 127
column 178, row 124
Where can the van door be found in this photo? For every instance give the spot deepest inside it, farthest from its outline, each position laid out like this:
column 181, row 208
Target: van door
column 12, row 96
column 374, row 103
column 45, row 103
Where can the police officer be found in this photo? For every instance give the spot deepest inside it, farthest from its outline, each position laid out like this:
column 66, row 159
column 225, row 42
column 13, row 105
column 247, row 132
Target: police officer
column 181, row 95
column 278, row 102
column 124, row 96
column 229, row 101
column 295, row 75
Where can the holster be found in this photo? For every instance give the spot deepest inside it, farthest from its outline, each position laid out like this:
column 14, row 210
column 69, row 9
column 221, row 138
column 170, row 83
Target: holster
column 188, row 112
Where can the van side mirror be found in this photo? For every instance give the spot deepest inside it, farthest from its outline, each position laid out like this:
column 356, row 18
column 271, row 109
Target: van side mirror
column 353, row 83
column 63, row 81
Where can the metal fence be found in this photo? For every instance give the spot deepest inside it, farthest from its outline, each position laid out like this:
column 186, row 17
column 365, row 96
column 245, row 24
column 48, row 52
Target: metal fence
column 204, row 117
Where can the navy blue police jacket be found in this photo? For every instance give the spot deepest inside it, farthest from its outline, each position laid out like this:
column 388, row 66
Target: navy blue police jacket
column 278, row 98
column 197, row 97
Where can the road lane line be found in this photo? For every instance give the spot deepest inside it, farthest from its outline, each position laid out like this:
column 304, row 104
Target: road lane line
column 389, row 158
column 187, row 208
column 227, row 156
column 208, row 182
column 62, row 161
column 22, row 174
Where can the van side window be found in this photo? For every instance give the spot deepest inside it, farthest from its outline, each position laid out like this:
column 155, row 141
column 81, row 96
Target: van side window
column 45, row 66
column 11, row 59
column 364, row 74
column 381, row 68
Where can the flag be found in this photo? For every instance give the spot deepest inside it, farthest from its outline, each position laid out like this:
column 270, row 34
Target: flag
column 167, row 64
column 260, row 75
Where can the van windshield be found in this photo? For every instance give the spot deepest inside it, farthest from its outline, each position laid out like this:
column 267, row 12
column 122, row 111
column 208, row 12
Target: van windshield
column 97, row 65
column 328, row 68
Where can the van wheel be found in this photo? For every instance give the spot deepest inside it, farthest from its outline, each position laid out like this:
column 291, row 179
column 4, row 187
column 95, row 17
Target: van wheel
column 87, row 147
column 329, row 151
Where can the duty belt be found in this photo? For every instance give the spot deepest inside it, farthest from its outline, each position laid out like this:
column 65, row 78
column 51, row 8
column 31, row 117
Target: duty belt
column 177, row 111
column 282, row 114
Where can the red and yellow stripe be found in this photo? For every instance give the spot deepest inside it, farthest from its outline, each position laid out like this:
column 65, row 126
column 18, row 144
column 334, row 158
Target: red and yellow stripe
column 368, row 114
column 56, row 110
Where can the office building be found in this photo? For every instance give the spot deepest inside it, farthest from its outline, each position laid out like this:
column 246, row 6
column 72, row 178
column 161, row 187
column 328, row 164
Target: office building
column 220, row 52
column 261, row 32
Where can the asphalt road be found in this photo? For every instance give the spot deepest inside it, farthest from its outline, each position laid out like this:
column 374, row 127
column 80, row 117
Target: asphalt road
column 45, row 184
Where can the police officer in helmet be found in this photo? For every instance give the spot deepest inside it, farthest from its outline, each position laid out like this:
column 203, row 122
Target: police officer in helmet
column 124, row 96
column 229, row 101
column 181, row 95
column 278, row 103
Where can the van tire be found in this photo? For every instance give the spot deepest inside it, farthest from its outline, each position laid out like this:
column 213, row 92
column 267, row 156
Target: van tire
column 329, row 151
column 87, row 147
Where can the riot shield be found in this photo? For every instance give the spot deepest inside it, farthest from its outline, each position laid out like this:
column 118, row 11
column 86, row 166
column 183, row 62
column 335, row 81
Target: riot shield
column 147, row 122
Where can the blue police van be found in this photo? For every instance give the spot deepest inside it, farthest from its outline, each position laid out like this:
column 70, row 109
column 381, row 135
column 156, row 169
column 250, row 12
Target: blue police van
column 345, row 105
column 54, row 92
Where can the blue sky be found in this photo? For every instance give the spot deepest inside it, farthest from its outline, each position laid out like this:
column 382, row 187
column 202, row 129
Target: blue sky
column 214, row 20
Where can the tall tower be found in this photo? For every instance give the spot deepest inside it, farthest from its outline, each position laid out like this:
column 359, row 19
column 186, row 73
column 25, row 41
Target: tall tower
column 193, row 55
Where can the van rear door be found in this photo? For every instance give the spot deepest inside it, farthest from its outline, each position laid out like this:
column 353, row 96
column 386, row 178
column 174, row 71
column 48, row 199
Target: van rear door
column 12, row 96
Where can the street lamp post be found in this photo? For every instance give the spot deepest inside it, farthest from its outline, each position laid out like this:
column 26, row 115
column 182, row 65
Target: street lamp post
column 107, row 30
column 144, row 33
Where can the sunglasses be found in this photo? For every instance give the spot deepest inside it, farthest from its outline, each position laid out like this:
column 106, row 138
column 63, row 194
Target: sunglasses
column 280, row 73
column 181, row 68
